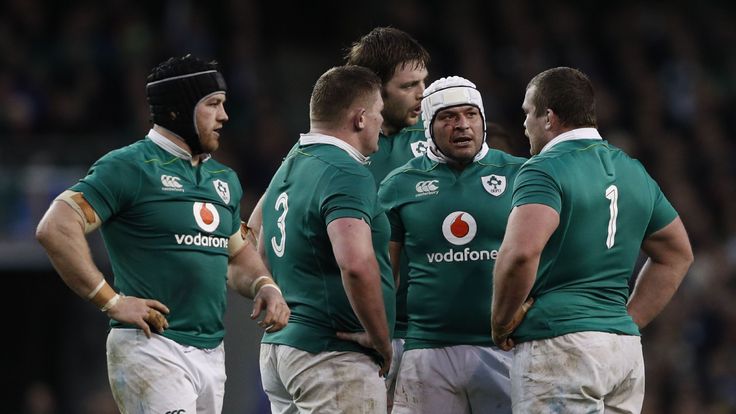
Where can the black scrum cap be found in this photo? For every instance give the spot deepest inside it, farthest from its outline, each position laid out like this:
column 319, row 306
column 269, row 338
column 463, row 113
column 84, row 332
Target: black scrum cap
column 173, row 99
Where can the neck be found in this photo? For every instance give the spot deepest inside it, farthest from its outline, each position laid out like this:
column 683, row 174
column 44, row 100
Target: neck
column 451, row 162
column 456, row 165
column 341, row 134
column 179, row 142
column 559, row 130
column 388, row 130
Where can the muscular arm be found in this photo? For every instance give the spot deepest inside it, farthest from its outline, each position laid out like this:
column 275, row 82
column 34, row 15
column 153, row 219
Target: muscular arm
column 670, row 256
column 248, row 275
column 61, row 232
column 394, row 251
column 353, row 249
column 527, row 232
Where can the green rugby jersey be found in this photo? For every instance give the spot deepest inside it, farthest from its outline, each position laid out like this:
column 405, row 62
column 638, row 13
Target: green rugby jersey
column 608, row 204
column 316, row 184
column 393, row 152
column 451, row 224
column 166, row 226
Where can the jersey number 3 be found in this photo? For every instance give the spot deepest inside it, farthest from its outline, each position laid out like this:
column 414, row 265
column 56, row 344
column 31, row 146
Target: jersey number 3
column 281, row 202
column 612, row 195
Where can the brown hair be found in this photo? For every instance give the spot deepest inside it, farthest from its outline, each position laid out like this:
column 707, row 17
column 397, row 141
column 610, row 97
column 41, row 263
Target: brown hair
column 386, row 49
column 338, row 89
column 568, row 92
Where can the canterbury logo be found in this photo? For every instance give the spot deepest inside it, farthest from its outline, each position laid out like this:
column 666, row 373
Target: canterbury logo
column 171, row 183
column 427, row 187
column 182, row 411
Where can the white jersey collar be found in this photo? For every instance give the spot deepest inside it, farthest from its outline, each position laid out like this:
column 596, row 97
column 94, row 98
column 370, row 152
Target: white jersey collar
column 173, row 149
column 315, row 138
column 437, row 156
column 579, row 133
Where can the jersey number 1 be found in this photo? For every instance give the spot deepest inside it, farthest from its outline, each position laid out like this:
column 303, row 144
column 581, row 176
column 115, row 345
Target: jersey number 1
column 612, row 194
column 278, row 247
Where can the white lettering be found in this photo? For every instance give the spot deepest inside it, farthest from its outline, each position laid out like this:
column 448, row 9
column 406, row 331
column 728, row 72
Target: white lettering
column 201, row 240
column 462, row 255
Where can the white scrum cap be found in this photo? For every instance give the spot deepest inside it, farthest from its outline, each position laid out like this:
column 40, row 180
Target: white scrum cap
column 447, row 92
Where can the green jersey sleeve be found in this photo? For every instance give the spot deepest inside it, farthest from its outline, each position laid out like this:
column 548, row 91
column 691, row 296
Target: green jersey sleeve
column 349, row 196
column 111, row 184
column 534, row 185
column 663, row 212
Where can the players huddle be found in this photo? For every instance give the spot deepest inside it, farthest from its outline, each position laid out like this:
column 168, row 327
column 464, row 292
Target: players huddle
column 400, row 263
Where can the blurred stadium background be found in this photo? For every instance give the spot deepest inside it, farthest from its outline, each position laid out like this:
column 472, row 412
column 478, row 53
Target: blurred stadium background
column 72, row 78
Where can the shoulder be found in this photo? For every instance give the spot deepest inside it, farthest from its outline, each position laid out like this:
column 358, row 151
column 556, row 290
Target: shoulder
column 409, row 134
column 130, row 155
column 335, row 160
column 415, row 166
column 620, row 154
column 540, row 161
column 216, row 167
column 539, row 167
column 501, row 159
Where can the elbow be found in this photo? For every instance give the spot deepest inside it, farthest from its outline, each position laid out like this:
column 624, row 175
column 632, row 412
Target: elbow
column 689, row 258
column 358, row 269
column 685, row 259
column 520, row 256
column 51, row 231
column 43, row 233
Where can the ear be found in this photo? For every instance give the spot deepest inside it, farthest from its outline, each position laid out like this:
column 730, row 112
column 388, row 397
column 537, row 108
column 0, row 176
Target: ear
column 359, row 119
column 551, row 119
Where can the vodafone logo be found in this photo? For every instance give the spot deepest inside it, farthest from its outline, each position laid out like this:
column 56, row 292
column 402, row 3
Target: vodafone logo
column 206, row 216
column 459, row 228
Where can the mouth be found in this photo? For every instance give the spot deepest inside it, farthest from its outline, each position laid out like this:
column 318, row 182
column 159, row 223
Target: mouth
column 462, row 141
column 416, row 111
column 217, row 131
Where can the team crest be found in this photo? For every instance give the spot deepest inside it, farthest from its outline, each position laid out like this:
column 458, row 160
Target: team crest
column 494, row 184
column 223, row 190
column 418, row 148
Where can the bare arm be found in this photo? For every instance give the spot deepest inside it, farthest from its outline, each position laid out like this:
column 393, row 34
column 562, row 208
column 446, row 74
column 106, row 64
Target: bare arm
column 248, row 275
column 394, row 251
column 61, row 232
column 527, row 232
column 353, row 249
column 670, row 257
column 255, row 221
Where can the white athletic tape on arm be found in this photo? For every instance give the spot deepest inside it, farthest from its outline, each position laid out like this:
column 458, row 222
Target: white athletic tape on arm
column 78, row 203
column 269, row 282
column 236, row 244
column 110, row 303
column 97, row 289
column 271, row 285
